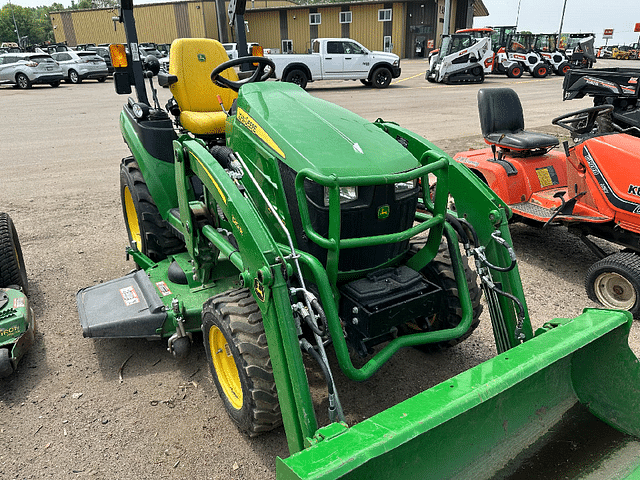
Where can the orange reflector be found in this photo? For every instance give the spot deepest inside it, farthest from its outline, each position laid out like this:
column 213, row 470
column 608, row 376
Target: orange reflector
column 257, row 51
column 118, row 55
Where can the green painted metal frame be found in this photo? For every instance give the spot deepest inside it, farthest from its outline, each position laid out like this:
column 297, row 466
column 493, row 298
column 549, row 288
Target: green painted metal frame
column 471, row 425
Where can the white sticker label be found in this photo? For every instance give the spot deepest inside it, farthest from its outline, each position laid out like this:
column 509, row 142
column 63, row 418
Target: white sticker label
column 18, row 302
column 164, row 289
column 129, row 296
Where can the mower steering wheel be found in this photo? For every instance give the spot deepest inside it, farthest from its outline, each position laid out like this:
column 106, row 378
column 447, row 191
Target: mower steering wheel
column 581, row 121
column 259, row 74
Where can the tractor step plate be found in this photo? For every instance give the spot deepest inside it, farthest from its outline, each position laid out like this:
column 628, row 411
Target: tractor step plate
column 537, row 212
column 126, row 307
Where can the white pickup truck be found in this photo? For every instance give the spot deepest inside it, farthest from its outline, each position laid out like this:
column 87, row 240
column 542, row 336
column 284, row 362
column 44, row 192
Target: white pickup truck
column 337, row 59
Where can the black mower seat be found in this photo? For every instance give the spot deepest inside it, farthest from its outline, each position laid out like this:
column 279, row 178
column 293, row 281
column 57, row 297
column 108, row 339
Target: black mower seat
column 502, row 122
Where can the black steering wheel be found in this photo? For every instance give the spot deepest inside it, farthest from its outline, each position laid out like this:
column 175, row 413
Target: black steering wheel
column 581, row 121
column 259, row 74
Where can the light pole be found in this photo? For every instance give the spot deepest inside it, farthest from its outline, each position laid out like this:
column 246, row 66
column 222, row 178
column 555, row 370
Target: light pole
column 561, row 22
column 15, row 25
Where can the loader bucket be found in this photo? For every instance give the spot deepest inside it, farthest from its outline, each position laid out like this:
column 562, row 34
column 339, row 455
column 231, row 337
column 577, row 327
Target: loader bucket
column 543, row 409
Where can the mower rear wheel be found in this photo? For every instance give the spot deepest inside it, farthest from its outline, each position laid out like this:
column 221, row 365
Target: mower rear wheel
column 563, row 68
column 238, row 356
column 6, row 368
column 440, row 272
column 145, row 226
column 12, row 268
column 614, row 282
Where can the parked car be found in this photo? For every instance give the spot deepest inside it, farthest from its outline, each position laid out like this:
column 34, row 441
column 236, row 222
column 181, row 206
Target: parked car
column 164, row 49
column 146, row 51
column 26, row 69
column 232, row 49
column 82, row 65
column 104, row 53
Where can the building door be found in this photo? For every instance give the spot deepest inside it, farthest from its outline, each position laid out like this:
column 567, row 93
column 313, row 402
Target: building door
column 421, row 22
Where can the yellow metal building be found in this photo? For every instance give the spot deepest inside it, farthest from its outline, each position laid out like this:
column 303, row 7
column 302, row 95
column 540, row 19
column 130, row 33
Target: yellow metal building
column 408, row 28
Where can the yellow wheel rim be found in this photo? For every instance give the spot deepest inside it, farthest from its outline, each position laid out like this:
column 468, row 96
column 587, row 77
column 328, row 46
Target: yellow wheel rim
column 225, row 366
column 132, row 219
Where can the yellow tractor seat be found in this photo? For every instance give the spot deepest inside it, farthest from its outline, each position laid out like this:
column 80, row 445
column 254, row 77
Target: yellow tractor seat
column 192, row 61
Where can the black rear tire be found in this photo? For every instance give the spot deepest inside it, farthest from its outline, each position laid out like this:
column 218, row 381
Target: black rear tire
column 102, row 79
column 12, row 268
column 145, row 226
column 55, row 84
column 381, row 77
column 238, row 357
column 298, row 77
column 440, row 272
column 614, row 282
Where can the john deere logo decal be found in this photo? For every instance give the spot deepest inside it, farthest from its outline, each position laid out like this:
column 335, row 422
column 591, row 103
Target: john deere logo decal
column 258, row 287
column 383, row 212
column 201, row 57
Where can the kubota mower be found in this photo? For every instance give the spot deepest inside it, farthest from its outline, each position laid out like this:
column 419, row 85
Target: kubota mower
column 17, row 323
column 276, row 223
column 593, row 187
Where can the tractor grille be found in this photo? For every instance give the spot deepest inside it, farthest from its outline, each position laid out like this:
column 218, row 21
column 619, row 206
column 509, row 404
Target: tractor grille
column 358, row 219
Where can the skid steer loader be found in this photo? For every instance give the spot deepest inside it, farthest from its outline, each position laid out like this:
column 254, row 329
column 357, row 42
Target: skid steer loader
column 462, row 58
column 276, row 223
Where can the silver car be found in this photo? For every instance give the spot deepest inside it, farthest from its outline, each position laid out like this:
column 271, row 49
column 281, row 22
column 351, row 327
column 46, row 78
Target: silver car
column 26, row 69
column 78, row 66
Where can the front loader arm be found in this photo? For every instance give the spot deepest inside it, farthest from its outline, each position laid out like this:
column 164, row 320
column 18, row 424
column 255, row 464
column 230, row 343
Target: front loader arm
column 482, row 208
column 258, row 259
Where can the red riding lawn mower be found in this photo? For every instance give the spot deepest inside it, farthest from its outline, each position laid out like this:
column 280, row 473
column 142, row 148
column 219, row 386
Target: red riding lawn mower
column 592, row 187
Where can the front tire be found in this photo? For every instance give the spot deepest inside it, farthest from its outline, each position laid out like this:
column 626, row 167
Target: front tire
column 514, row 71
column 298, row 77
column 614, row 282
column 12, row 268
column 145, row 226
column 440, row 272
column 22, row 81
column 102, row 79
column 238, row 356
column 381, row 77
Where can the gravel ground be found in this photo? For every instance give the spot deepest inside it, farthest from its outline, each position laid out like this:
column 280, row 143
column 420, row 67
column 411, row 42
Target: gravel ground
column 99, row 409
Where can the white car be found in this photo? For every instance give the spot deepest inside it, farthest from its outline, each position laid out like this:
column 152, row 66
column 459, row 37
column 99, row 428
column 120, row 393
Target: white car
column 26, row 69
column 81, row 65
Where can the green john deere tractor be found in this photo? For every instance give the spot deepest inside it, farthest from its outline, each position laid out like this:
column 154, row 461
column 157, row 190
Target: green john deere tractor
column 276, row 223
column 17, row 322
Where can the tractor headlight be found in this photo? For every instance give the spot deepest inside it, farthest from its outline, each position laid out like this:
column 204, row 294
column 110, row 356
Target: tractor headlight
column 406, row 186
column 140, row 110
column 347, row 194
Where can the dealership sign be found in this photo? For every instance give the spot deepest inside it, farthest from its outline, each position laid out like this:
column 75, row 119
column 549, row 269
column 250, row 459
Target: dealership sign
column 608, row 33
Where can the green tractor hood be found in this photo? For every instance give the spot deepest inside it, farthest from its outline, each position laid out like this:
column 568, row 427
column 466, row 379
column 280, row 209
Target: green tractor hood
column 338, row 141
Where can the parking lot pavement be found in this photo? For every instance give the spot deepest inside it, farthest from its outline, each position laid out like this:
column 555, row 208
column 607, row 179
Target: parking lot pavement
column 66, row 413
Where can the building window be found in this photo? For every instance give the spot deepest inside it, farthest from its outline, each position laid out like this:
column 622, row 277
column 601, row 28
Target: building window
column 287, row 46
column 384, row 15
column 314, row 19
column 345, row 17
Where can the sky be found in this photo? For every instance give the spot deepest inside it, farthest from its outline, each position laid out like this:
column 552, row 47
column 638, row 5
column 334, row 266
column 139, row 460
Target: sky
column 537, row 16
column 543, row 16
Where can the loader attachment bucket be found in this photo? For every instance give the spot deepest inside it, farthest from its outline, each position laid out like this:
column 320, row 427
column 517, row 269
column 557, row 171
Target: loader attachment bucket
column 543, row 409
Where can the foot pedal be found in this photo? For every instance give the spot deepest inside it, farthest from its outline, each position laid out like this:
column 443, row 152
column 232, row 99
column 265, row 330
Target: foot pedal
column 126, row 307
